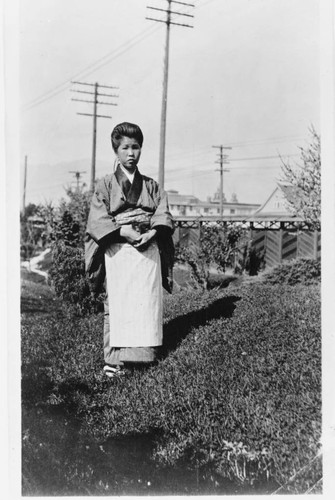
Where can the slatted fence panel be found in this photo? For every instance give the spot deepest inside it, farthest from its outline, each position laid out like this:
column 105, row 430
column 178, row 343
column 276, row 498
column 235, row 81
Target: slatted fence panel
column 258, row 240
column 272, row 253
column 289, row 245
column 187, row 236
column 277, row 245
column 309, row 244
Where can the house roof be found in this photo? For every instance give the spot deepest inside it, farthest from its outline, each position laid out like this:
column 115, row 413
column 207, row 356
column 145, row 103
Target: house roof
column 182, row 199
column 283, row 194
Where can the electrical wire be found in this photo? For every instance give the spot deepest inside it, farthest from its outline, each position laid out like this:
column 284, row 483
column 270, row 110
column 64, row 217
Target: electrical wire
column 212, row 172
column 189, row 168
column 92, row 67
column 205, row 149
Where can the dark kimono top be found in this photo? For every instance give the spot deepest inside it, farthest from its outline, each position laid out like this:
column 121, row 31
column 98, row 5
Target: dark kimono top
column 113, row 195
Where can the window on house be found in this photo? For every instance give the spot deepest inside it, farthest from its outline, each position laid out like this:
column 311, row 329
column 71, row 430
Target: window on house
column 232, row 210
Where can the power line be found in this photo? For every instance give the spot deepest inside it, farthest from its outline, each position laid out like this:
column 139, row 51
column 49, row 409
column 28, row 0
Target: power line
column 190, row 167
column 90, row 69
column 263, row 157
column 42, row 188
column 270, row 140
column 204, row 149
column 201, row 173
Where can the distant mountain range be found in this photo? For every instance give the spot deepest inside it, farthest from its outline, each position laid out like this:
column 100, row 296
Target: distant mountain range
column 47, row 182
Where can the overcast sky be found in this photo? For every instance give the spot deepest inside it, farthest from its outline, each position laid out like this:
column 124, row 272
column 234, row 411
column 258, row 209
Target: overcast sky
column 246, row 76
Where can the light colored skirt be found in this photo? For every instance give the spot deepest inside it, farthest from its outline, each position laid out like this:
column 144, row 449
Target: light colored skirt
column 135, row 296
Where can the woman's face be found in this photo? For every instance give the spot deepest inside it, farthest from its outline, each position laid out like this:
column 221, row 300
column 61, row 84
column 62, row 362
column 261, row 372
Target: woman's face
column 129, row 153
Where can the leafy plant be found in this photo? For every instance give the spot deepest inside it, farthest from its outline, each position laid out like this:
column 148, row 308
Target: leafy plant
column 305, row 271
column 216, row 247
column 65, row 232
column 251, row 260
column 69, row 279
column 31, row 238
column 305, row 179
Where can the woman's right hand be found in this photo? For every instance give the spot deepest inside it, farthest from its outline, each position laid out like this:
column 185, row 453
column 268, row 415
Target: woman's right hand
column 129, row 234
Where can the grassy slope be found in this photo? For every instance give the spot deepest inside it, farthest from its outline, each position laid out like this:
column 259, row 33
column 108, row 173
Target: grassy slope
column 236, row 389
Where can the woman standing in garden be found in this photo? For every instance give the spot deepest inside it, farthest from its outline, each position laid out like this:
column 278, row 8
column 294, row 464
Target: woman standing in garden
column 129, row 249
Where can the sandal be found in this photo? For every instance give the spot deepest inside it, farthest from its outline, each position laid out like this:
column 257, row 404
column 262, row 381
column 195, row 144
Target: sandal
column 113, row 371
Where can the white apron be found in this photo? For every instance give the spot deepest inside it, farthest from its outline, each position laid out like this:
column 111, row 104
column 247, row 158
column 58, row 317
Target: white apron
column 135, row 295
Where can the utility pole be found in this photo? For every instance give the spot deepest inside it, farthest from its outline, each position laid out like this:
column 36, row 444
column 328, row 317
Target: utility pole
column 24, row 185
column 96, row 94
column 223, row 160
column 168, row 21
column 77, row 175
column 94, row 143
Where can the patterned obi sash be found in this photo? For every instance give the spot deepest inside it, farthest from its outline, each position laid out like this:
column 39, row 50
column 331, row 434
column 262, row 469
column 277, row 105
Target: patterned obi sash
column 138, row 218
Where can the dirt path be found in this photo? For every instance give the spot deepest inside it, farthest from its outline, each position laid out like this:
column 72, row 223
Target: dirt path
column 33, row 264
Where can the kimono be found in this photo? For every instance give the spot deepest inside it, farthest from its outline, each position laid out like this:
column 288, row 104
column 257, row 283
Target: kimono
column 133, row 279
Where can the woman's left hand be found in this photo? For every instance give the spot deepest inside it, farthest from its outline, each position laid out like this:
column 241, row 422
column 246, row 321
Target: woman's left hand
column 145, row 239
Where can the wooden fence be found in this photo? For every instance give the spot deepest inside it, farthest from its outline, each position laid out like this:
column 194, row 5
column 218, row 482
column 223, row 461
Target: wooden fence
column 280, row 245
column 278, row 241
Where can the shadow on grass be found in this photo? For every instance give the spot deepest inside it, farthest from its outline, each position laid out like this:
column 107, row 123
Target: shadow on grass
column 178, row 328
column 38, row 305
column 36, row 295
column 37, row 387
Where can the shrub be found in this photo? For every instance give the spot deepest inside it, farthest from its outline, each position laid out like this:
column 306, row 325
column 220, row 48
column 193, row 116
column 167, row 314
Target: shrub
column 65, row 232
column 305, row 271
column 216, row 247
column 31, row 237
column 70, row 281
column 251, row 260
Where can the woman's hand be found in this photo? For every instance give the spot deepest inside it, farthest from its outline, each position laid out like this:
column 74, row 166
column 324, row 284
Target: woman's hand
column 145, row 239
column 129, row 234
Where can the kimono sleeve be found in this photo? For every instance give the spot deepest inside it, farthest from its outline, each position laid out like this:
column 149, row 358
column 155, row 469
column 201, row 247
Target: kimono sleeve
column 162, row 217
column 100, row 226
column 162, row 221
column 100, row 222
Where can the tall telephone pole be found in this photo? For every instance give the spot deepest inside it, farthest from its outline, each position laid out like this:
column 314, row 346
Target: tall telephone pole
column 96, row 94
column 168, row 21
column 223, row 160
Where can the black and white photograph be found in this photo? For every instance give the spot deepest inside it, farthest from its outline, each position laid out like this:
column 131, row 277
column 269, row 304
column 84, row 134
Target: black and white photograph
column 170, row 337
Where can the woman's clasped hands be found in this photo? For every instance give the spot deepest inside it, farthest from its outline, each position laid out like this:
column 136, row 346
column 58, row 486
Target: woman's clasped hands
column 139, row 241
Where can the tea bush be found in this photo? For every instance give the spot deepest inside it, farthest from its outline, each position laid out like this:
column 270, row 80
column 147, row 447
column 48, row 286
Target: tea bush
column 304, row 270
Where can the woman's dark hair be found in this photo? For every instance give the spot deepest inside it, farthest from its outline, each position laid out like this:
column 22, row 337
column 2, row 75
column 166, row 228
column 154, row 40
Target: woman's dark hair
column 126, row 129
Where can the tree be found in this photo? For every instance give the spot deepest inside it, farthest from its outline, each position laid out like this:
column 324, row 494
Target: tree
column 78, row 208
column 67, row 222
column 305, row 179
column 66, row 230
column 216, row 248
column 31, row 233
